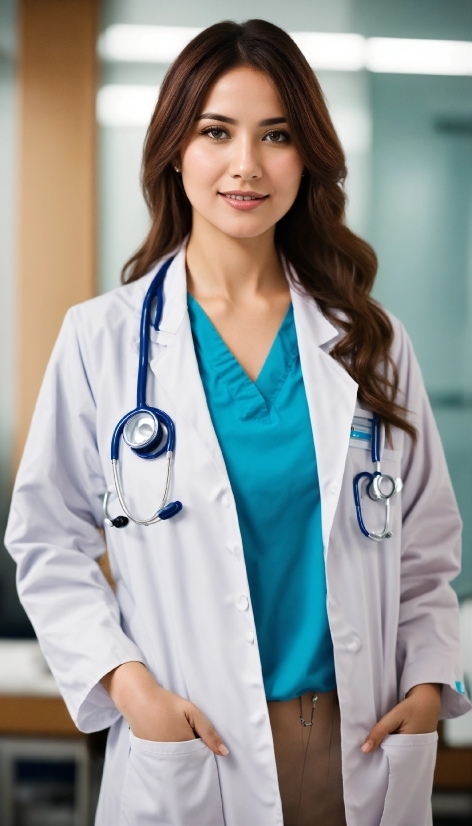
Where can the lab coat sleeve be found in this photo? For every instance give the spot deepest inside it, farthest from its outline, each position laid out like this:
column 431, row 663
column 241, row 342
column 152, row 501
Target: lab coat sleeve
column 53, row 536
column 428, row 649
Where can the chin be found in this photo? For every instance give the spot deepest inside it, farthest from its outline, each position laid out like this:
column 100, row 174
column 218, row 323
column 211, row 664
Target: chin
column 237, row 229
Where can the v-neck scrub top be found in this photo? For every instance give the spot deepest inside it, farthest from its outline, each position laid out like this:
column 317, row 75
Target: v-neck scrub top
column 264, row 431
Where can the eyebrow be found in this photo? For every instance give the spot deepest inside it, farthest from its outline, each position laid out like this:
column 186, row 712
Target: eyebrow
column 224, row 119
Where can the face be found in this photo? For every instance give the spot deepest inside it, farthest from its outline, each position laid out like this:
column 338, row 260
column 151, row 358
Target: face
column 240, row 169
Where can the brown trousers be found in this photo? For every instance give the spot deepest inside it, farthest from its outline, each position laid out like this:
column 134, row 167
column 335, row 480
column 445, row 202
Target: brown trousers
column 308, row 760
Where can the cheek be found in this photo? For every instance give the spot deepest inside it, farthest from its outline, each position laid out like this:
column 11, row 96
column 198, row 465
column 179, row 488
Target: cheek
column 200, row 167
column 286, row 175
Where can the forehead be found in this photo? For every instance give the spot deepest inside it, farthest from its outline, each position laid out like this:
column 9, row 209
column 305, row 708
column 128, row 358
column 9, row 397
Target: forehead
column 244, row 93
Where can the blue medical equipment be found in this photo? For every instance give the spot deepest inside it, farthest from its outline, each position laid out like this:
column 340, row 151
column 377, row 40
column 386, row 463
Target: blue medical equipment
column 380, row 486
column 148, row 431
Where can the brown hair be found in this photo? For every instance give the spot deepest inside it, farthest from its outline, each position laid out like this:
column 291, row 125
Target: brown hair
column 333, row 265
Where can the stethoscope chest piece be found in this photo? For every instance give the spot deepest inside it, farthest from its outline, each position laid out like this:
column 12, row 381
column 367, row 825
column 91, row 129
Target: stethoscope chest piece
column 383, row 486
column 149, row 432
column 142, row 430
column 379, row 487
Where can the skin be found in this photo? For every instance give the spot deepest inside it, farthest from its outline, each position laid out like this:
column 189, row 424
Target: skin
column 234, row 272
column 226, row 242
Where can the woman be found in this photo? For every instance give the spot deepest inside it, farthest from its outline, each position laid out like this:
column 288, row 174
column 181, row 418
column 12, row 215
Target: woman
column 229, row 680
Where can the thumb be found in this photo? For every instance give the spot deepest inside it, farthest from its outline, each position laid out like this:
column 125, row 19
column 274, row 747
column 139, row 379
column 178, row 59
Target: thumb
column 205, row 730
column 389, row 722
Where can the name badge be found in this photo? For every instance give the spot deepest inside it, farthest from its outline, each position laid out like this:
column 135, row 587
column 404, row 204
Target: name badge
column 361, row 432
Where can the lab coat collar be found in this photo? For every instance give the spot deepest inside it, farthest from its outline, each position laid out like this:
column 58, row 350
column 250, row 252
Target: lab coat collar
column 309, row 317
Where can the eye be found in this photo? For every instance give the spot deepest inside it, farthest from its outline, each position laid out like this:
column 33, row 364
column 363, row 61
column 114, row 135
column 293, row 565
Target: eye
column 216, row 133
column 277, row 136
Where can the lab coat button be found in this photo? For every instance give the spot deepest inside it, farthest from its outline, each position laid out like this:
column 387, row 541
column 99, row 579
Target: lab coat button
column 353, row 645
column 235, row 548
column 334, row 488
column 258, row 717
column 242, row 602
column 225, row 500
column 250, row 636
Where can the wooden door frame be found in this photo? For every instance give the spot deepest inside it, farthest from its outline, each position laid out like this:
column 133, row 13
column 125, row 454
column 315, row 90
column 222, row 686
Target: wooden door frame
column 58, row 74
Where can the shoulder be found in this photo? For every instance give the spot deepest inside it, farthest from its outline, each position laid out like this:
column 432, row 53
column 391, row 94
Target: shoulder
column 403, row 357
column 402, row 350
column 111, row 311
column 100, row 331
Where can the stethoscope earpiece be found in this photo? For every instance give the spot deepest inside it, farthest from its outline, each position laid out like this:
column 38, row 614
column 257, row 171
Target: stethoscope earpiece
column 149, row 432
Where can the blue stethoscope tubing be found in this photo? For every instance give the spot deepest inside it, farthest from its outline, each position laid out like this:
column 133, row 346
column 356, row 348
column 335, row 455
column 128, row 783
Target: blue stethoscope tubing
column 148, row 431
column 380, row 487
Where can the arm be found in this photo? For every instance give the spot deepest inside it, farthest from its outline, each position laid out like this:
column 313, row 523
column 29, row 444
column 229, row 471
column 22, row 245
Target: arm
column 428, row 647
column 53, row 536
column 428, row 651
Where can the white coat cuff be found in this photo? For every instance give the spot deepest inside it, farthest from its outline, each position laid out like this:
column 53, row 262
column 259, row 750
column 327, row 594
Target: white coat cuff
column 97, row 710
column 454, row 703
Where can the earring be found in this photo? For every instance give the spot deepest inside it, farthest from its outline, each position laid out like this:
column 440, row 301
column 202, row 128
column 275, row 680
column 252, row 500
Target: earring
column 177, row 168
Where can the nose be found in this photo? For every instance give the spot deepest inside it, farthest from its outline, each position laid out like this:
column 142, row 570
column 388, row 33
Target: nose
column 245, row 163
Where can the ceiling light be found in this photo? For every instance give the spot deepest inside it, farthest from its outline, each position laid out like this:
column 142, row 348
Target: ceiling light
column 323, row 50
column 126, row 105
column 419, row 57
column 338, row 52
column 144, row 44
column 162, row 44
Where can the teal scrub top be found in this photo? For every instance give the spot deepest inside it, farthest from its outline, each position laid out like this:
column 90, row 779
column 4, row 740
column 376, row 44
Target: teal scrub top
column 264, row 431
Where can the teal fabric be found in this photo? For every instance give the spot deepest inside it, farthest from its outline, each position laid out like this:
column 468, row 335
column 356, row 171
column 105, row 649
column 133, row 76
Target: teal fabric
column 265, row 435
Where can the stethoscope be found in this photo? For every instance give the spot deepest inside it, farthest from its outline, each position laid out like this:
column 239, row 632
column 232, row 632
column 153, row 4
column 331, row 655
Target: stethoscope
column 380, row 486
column 149, row 432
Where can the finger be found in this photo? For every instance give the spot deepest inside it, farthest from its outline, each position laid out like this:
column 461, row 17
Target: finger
column 390, row 722
column 205, row 730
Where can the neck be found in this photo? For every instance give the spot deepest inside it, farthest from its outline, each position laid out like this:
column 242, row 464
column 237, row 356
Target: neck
column 219, row 265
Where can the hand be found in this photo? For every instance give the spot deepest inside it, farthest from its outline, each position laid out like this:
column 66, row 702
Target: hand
column 153, row 713
column 418, row 713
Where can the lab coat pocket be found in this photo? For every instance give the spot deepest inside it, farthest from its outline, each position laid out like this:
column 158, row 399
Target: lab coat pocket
column 171, row 784
column 411, row 761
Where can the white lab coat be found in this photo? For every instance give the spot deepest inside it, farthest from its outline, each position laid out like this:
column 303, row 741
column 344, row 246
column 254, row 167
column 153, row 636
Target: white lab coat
column 182, row 603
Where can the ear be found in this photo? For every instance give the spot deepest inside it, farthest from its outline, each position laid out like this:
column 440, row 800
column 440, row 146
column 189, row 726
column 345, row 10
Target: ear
column 176, row 164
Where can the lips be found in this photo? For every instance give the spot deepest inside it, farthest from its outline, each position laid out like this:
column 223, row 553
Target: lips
column 243, row 199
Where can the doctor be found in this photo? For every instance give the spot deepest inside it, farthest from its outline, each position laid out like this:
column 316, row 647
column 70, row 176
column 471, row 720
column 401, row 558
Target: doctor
column 263, row 659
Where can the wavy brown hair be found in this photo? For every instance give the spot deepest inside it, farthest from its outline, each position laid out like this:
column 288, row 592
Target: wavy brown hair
column 333, row 264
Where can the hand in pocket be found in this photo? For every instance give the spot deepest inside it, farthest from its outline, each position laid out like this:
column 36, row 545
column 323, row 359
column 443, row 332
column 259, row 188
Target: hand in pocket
column 418, row 713
column 153, row 713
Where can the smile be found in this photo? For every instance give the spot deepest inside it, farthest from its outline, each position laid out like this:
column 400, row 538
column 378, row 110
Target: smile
column 243, row 200
column 243, row 197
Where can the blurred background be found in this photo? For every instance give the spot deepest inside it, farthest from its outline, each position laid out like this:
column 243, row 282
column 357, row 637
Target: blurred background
column 78, row 82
